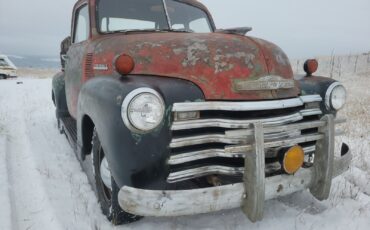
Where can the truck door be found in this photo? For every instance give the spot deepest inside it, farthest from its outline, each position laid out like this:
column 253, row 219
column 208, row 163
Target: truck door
column 75, row 57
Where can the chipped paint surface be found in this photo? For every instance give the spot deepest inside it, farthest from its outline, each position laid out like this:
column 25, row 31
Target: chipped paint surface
column 211, row 61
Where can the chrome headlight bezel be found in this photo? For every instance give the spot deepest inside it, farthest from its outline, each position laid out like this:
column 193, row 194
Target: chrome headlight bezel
column 130, row 98
column 329, row 96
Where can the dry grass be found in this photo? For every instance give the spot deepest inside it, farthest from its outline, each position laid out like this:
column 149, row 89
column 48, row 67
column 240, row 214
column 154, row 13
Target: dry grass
column 354, row 72
column 36, row 73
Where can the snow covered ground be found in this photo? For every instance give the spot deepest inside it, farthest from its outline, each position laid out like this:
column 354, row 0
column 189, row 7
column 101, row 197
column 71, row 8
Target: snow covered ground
column 42, row 185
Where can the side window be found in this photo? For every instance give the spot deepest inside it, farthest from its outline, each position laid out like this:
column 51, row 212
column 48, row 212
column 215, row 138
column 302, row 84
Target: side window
column 82, row 25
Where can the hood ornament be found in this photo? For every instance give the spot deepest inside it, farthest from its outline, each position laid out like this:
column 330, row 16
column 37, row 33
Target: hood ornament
column 238, row 30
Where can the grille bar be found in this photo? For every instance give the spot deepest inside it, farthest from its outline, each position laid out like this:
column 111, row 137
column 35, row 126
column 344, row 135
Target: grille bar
column 274, row 144
column 217, row 142
column 204, row 171
column 241, row 136
column 246, row 106
column 239, row 124
column 212, row 153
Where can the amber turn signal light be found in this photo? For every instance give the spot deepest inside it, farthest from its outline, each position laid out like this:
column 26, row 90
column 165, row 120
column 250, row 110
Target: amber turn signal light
column 311, row 66
column 293, row 159
column 125, row 64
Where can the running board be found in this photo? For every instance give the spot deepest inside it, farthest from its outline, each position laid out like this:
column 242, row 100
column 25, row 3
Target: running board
column 68, row 126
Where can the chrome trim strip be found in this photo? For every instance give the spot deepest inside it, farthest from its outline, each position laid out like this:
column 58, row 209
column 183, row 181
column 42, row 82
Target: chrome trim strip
column 241, row 136
column 246, row 106
column 214, row 153
column 239, row 124
column 203, row 171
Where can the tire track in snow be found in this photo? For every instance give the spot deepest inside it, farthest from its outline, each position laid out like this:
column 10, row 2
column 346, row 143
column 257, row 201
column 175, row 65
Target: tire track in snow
column 31, row 208
column 7, row 218
column 68, row 191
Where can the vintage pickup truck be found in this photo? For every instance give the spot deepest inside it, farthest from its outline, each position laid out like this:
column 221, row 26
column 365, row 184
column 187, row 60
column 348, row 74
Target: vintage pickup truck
column 173, row 117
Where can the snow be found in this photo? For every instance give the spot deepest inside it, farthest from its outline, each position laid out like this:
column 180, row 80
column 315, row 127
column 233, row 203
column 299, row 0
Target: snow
column 5, row 217
column 42, row 185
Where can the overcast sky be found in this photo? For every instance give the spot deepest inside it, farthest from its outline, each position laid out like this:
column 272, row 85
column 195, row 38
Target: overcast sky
column 301, row 28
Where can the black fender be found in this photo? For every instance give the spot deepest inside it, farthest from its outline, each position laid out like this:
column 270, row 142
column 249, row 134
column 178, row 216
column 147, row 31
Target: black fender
column 59, row 95
column 317, row 85
column 137, row 160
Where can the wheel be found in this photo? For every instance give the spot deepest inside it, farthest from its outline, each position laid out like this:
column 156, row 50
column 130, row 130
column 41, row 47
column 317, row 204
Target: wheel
column 2, row 76
column 106, row 188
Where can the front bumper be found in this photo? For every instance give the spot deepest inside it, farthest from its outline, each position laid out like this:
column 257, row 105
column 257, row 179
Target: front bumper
column 249, row 195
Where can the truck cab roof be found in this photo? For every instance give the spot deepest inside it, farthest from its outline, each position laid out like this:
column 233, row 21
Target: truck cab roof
column 104, row 13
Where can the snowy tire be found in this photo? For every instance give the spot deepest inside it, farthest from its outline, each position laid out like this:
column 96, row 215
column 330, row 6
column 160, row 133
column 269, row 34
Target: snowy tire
column 108, row 197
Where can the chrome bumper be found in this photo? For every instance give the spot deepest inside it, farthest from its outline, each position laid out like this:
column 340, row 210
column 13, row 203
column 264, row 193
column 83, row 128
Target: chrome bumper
column 189, row 202
column 251, row 194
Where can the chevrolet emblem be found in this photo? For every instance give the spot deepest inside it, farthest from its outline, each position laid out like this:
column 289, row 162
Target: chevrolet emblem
column 264, row 83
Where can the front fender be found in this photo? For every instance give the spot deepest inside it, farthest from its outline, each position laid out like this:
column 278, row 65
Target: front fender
column 316, row 85
column 137, row 160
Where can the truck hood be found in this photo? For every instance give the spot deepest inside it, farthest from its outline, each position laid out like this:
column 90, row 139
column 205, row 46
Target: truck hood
column 224, row 66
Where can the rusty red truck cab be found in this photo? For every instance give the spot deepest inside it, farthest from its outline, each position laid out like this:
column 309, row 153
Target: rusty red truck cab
column 174, row 117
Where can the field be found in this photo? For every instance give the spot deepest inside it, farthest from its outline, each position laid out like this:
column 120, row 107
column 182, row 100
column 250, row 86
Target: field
column 42, row 185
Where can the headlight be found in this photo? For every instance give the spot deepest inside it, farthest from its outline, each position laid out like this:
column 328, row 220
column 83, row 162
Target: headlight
column 143, row 110
column 336, row 96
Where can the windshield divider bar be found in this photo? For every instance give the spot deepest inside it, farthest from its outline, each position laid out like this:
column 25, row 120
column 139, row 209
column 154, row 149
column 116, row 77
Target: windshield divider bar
column 167, row 15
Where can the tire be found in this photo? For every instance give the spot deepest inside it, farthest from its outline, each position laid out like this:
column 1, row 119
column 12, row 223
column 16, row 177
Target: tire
column 108, row 197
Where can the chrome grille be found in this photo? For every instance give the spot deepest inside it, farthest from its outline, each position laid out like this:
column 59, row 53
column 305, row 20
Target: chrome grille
column 200, row 147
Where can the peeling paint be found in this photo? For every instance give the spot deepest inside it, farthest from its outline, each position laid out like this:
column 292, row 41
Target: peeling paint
column 211, row 61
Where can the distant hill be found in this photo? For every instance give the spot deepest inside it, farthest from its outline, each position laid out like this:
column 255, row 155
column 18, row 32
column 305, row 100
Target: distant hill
column 40, row 62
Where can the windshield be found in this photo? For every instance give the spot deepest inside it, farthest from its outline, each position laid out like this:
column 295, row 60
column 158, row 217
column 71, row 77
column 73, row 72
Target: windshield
column 128, row 15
